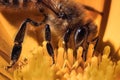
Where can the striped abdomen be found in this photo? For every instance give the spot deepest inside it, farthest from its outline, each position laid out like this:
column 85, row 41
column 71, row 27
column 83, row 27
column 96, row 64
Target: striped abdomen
column 18, row 2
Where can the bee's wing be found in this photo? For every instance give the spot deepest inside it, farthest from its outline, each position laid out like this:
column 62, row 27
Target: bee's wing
column 53, row 5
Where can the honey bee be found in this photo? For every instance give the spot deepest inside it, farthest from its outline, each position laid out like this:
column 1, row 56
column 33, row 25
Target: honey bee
column 64, row 20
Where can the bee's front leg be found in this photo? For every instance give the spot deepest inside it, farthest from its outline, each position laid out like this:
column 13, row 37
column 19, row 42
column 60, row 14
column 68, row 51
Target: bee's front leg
column 17, row 48
column 66, row 37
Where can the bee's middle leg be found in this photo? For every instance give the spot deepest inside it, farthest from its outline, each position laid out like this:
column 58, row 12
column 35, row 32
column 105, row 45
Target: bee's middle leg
column 48, row 39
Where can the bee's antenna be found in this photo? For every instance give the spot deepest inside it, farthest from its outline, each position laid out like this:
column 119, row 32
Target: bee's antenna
column 92, row 9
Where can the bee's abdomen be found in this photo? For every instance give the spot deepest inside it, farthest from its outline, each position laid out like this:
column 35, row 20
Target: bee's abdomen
column 18, row 2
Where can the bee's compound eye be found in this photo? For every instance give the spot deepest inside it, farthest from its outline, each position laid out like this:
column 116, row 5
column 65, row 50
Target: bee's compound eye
column 79, row 36
column 62, row 15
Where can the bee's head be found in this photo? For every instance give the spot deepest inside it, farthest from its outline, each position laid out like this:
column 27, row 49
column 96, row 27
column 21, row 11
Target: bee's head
column 69, row 11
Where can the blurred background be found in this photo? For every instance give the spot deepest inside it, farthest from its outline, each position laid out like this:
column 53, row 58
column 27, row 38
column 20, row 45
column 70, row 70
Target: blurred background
column 108, row 26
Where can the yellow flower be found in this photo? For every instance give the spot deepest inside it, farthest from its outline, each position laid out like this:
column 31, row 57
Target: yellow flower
column 39, row 66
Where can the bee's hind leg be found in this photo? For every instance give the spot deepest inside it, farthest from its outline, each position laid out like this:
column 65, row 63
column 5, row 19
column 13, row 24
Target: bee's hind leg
column 17, row 48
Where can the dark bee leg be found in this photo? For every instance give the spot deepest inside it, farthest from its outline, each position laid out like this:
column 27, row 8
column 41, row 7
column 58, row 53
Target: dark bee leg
column 15, row 54
column 48, row 39
column 47, row 33
column 50, row 51
column 17, row 48
column 66, row 37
